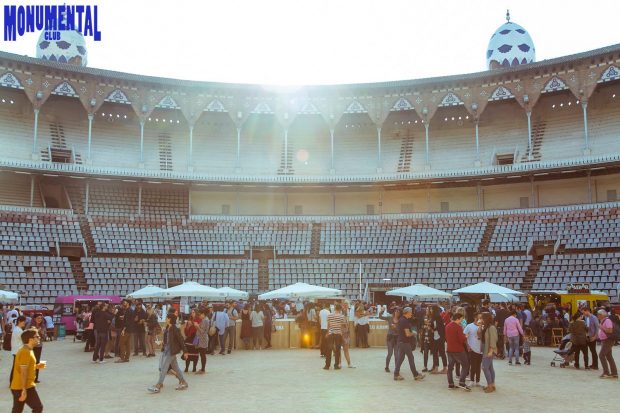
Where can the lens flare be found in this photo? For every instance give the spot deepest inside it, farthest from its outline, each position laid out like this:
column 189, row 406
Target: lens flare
column 302, row 155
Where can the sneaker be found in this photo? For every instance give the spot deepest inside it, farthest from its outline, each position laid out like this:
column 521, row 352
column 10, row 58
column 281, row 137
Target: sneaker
column 489, row 389
column 200, row 372
column 510, row 363
column 107, row 356
column 463, row 386
column 229, row 351
column 451, row 386
column 444, row 371
column 94, row 362
column 419, row 377
column 399, row 378
column 351, row 366
column 154, row 389
column 182, row 386
column 517, row 363
column 613, row 376
column 101, row 361
column 605, row 376
column 336, row 367
column 387, row 369
column 424, row 370
column 326, row 368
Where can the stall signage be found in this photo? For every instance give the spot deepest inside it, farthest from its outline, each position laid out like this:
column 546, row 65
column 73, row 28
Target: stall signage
column 578, row 288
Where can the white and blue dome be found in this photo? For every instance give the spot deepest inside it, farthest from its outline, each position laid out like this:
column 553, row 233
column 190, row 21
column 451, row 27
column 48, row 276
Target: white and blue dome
column 70, row 48
column 510, row 45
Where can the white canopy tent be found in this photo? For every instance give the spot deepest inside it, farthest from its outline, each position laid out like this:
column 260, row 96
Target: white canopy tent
column 193, row 289
column 231, row 293
column 503, row 298
column 486, row 287
column 301, row 290
column 419, row 291
column 8, row 296
column 150, row 291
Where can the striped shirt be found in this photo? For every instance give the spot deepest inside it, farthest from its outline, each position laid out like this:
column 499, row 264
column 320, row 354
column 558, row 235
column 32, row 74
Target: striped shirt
column 335, row 323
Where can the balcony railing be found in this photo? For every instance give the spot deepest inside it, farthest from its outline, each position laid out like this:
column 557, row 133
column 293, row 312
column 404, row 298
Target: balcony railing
column 78, row 169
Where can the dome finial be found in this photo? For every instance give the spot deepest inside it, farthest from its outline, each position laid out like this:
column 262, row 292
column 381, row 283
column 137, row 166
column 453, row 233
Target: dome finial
column 507, row 15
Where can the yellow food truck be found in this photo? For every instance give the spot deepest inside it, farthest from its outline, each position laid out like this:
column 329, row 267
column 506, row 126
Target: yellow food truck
column 576, row 295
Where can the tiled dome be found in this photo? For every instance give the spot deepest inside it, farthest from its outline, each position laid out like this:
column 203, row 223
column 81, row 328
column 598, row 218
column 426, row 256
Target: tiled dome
column 510, row 45
column 70, row 48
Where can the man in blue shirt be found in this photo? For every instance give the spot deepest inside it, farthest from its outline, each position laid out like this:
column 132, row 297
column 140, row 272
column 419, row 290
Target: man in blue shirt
column 406, row 345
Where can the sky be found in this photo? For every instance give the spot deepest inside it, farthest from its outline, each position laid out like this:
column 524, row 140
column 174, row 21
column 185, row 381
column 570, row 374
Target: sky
column 304, row 42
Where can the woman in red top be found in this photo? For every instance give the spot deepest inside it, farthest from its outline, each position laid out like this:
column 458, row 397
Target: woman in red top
column 189, row 332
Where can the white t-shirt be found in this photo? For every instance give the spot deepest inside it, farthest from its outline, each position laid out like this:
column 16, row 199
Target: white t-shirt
column 323, row 316
column 471, row 331
column 256, row 318
column 16, row 340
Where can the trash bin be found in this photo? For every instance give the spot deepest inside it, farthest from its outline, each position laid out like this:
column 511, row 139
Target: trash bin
column 62, row 332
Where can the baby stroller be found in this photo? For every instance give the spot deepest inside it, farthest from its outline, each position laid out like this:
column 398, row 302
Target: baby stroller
column 79, row 330
column 563, row 354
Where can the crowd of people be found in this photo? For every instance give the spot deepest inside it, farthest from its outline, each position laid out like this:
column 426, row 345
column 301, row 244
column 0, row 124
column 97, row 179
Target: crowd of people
column 462, row 339
column 468, row 338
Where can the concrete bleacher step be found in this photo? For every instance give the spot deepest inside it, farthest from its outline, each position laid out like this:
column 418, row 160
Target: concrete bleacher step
column 78, row 274
column 286, row 161
column 487, row 235
column 165, row 152
column 406, row 151
column 315, row 243
column 531, row 274
column 538, row 133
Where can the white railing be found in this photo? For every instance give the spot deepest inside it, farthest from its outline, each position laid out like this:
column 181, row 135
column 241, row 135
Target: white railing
column 35, row 210
column 84, row 249
column 471, row 214
column 530, row 247
column 81, row 169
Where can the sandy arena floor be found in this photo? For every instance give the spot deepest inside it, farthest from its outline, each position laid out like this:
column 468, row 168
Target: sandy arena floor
column 293, row 381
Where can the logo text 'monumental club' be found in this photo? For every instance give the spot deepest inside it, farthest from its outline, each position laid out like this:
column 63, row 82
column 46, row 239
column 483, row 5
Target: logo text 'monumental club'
column 19, row 20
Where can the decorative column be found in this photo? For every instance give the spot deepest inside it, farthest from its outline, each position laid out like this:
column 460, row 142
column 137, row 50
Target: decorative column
column 586, row 137
column 90, row 135
column 31, row 190
column 190, row 166
column 529, row 134
column 428, row 163
column 140, row 200
column 474, row 108
column 477, row 144
column 379, row 169
column 331, row 139
column 35, row 134
column 286, row 165
column 87, row 198
column 238, row 165
column 589, row 187
column 142, row 144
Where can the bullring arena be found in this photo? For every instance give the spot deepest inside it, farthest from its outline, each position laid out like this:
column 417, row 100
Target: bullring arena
column 112, row 181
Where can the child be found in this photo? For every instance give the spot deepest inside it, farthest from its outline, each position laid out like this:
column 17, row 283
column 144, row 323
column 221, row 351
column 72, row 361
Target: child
column 527, row 353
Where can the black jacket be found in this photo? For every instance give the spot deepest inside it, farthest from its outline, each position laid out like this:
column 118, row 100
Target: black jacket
column 177, row 345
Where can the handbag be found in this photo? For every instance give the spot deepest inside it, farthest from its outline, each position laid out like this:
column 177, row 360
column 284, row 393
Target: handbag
column 213, row 328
